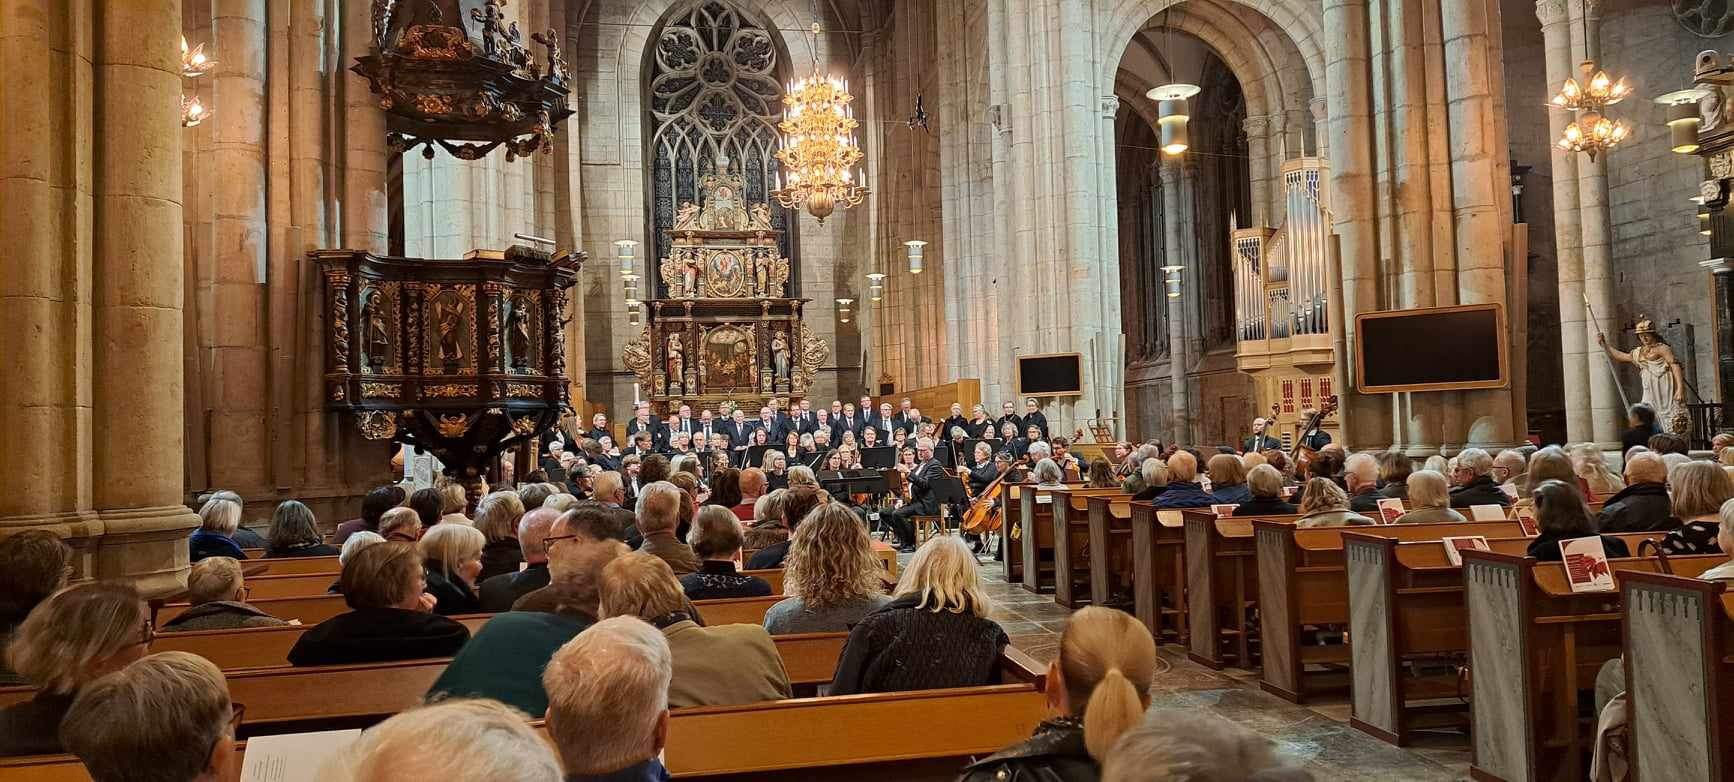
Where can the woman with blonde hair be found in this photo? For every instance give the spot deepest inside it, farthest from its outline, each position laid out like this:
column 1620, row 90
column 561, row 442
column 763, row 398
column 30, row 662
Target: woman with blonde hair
column 219, row 517
column 934, row 634
column 497, row 518
column 1098, row 688
column 452, row 556
column 68, row 641
column 830, row 575
column 453, row 502
column 1593, row 470
column 1325, row 504
column 1698, row 489
column 1228, row 479
column 1429, row 500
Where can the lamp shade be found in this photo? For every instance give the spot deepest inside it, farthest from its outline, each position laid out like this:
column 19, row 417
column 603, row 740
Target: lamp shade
column 914, row 249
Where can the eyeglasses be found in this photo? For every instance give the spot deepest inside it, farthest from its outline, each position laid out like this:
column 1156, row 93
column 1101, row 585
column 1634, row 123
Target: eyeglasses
column 548, row 542
column 236, row 712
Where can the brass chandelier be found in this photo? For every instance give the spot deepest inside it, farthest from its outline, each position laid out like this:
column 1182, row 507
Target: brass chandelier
column 1593, row 132
column 819, row 155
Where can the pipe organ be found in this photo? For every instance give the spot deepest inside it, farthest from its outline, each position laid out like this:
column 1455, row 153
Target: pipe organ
column 1281, row 287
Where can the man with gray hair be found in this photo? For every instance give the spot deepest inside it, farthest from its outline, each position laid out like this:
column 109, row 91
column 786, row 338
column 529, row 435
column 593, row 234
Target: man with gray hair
column 1643, row 505
column 658, row 516
column 1474, row 480
column 500, row 592
column 1361, row 478
column 922, row 502
column 608, row 702
column 1508, row 471
column 1191, row 746
column 460, row 741
column 166, row 717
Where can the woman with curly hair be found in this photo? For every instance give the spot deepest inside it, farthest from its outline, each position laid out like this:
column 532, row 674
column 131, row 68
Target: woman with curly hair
column 830, row 574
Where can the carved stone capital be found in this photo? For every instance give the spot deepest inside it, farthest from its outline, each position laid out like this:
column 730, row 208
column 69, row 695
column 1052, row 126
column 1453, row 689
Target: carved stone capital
column 999, row 116
column 1320, row 109
column 1256, row 126
column 1110, row 106
column 1591, row 9
column 1551, row 12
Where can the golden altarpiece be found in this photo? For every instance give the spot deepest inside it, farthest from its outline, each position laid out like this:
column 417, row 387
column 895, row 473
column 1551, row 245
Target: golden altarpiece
column 724, row 328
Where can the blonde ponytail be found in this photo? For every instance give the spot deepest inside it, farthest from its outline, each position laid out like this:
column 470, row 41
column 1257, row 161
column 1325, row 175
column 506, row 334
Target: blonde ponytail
column 1107, row 660
column 1114, row 708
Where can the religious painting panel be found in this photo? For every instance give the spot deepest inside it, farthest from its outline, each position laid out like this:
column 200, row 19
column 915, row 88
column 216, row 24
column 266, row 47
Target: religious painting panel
column 729, row 361
column 448, row 336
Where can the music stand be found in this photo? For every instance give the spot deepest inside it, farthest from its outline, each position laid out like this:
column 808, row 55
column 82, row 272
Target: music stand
column 878, row 458
column 947, row 493
column 816, row 459
column 993, row 442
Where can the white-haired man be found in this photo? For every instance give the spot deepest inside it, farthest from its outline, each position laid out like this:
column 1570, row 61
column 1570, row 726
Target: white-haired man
column 1474, row 479
column 501, row 591
column 608, row 702
column 1260, row 439
column 658, row 516
column 922, row 502
column 1361, row 478
column 471, row 740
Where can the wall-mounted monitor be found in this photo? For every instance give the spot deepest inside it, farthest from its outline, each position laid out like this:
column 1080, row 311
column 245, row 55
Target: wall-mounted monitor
column 1431, row 349
column 1051, row 374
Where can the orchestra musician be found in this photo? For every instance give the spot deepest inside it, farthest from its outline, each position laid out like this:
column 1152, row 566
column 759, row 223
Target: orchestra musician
column 776, row 470
column 1260, row 440
column 979, row 425
column 954, row 421
column 982, row 469
column 1010, row 417
column 1033, row 417
column 1008, row 431
column 921, row 502
column 1316, row 438
column 1069, row 462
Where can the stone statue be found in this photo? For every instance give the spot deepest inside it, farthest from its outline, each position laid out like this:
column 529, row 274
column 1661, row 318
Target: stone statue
column 780, row 355
column 762, row 273
column 689, row 268
column 1663, row 381
column 676, row 360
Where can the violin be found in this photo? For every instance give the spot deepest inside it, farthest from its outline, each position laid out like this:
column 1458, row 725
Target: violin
column 1302, row 456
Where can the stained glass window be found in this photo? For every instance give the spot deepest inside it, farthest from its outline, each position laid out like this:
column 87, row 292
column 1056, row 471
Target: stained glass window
column 716, row 93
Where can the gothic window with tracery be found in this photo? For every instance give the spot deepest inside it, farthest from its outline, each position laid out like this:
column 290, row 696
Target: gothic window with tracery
column 715, row 87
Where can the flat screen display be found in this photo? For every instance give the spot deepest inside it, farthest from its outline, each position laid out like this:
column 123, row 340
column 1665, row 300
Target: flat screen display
column 1058, row 374
column 1433, row 349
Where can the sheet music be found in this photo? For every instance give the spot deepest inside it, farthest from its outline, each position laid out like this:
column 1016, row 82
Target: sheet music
column 293, row 757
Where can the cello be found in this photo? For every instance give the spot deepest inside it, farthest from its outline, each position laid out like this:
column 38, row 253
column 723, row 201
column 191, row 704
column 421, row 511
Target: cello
column 985, row 513
column 1302, row 456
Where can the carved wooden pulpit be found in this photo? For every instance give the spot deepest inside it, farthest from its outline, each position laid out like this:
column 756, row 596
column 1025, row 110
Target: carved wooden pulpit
column 724, row 328
column 463, row 358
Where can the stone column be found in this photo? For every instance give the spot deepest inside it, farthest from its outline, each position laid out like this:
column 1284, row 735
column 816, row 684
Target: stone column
column 998, row 349
column 236, row 355
column 312, row 221
column 1258, row 166
column 137, row 416
column 1110, row 351
column 363, row 130
column 1478, row 191
column 1366, row 420
column 1592, row 196
column 1178, row 323
column 1574, row 330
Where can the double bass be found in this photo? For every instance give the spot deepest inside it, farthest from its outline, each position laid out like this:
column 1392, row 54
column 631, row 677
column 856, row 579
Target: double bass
column 1302, row 456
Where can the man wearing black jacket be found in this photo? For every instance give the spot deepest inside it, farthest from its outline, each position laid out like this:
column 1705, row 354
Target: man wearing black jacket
column 1010, row 417
column 501, row 591
column 923, row 503
column 1643, row 505
column 642, row 421
column 1475, row 484
column 1033, row 417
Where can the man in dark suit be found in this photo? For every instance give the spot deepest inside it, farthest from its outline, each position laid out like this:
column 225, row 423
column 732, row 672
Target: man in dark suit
column 1260, row 439
column 684, row 422
column 501, row 591
column 805, row 420
column 768, row 422
column 922, row 502
column 739, row 430
column 822, row 421
column 885, row 422
column 707, row 426
column 903, row 418
column 642, row 421
column 849, row 422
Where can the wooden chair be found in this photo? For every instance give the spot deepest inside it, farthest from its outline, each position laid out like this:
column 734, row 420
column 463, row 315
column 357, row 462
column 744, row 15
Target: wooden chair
column 1533, row 644
column 1158, row 571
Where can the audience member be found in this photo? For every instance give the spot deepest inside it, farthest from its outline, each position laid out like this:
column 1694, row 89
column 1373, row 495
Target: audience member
column 1548, row 464
column 1593, row 470
column 497, row 518
column 505, row 658
column 797, row 503
column 1183, row 489
column 935, row 632
column 373, row 506
column 1228, row 479
column 1643, row 505
column 499, row 592
column 1561, row 514
column 218, row 596
column 401, row 525
column 1699, row 489
column 1724, row 541
column 243, row 537
column 608, row 700
column 1188, row 747
column 1394, row 470
column 390, row 618
column 453, row 503
column 1098, row 688
column 218, row 520
column 1641, row 420
column 831, row 575
column 1264, row 489
column 1429, row 500
column 1667, row 442
column 1100, row 475
column 165, row 717
column 716, row 539
column 295, row 533
column 720, row 665
column 429, row 505
column 69, row 641
column 1510, row 471
column 452, row 555
column 1324, row 504
column 726, row 489
column 691, row 494
column 454, row 741
column 34, row 564
column 659, row 508
column 1438, row 464
column 1474, row 482
column 607, row 491
column 1149, row 481
column 1361, row 478
column 356, row 542
column 532, row 495
column 753, row 484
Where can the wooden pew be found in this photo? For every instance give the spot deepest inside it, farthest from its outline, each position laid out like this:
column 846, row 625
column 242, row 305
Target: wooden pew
column 1036, row 533
column 1406, row 606
column 1302, row 583
column 1011, row 501
column 1221, row 585
column 1109, row 518
column 797, row 735
column 256, row 647
column 1679, row 665
column 1072, row 544
column 296, row 566
column 1533, row 645
column 1158, row 571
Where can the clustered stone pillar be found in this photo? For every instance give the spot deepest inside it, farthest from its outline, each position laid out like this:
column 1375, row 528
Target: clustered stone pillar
column 1597, row 245
column 1179, row 394
column 136, row 416
column 1567, row 230
column 363, row 128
